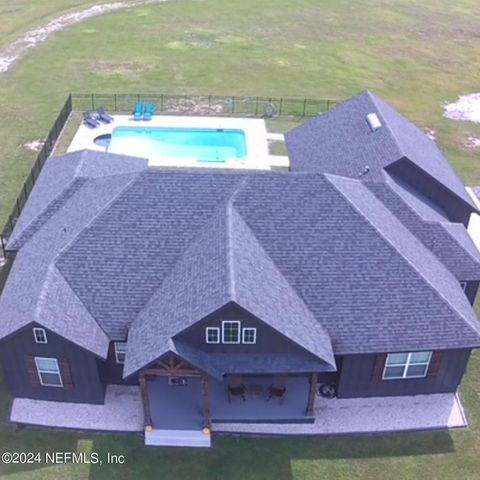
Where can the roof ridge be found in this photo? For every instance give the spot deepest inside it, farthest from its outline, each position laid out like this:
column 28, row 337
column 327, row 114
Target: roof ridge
column 391, row 245
column 63, row 196
column 100, row 212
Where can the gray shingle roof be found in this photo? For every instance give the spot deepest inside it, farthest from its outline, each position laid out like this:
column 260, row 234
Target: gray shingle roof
column 335, row 264
column 225, row 264
column 61, row 177
column 341, row 142
column 37, row 291
column 449, row 242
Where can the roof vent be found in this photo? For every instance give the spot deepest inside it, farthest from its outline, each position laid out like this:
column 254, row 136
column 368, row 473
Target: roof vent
column 373, row 122
column 365, row 171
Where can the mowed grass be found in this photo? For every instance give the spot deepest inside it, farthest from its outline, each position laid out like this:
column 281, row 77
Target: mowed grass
column 415, row 55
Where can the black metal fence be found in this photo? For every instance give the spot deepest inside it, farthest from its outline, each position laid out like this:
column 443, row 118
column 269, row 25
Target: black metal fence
column 266, row 107
column 35, row 171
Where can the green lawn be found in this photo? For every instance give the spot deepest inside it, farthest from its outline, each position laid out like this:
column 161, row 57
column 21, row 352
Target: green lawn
column 415, row 55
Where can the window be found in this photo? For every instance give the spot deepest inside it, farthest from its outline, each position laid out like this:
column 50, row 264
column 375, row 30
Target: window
column 120, row 351
column 230, row 332
column 212, row 335
column 406, row 365
column 40, row 335
column 249, row 335
column 48, row 372
column 463, row 285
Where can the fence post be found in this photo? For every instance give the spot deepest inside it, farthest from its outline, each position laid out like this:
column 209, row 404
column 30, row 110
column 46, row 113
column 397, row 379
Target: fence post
column 233, row 105
column 115, row 101
column 161, row 102
column 280, row 108
column 328, row 105
column 304, row 106
column 93, row 101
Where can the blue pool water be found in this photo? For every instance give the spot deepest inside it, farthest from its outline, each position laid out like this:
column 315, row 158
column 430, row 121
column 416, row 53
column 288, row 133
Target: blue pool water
column 205, row 145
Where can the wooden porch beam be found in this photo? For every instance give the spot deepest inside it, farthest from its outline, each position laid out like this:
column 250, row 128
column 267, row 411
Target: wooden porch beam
column 171, row 373
column 145, row 400
column 206, row 401
column 311, row 394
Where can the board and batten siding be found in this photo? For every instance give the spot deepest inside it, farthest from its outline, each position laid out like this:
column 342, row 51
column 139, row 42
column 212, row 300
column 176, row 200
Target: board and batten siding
column 361, row 376
column 79, row 368
column 268, row 340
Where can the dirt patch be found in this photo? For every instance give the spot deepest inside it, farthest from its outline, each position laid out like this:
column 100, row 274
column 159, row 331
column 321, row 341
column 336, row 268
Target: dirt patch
column 16, row 50
column 34, row 146
column 466, row 108
column 472, row 142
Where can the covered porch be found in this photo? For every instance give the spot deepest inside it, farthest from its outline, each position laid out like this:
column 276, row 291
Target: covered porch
column 182, row 402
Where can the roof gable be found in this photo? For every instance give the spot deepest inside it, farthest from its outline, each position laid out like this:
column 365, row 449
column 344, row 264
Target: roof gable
column 225, row 264
column 342, row 143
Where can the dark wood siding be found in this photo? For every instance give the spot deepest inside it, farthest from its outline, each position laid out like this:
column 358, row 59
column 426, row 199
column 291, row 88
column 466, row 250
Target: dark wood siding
column 456, row 209
column 268, row 340
column 79, row 368
column 112, row 372
column 357, row 378
column 471, row 291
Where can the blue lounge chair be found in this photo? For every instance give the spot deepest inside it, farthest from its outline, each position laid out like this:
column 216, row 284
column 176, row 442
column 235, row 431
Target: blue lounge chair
column 89, row 120
column 139, row 109
column 149, row 109
column 103, row 116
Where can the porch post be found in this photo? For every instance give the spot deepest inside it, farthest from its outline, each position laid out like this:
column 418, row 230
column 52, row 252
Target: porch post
column 311, row 394
column 146, row 403
column 206, row 401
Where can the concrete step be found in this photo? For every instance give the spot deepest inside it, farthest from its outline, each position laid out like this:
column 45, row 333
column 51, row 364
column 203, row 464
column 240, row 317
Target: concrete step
column 177, row 438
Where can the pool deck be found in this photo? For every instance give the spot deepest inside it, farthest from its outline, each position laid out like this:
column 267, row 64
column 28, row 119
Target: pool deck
column 257, row 158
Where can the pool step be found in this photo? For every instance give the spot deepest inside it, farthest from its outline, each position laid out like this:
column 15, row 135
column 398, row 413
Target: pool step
column 177, row 438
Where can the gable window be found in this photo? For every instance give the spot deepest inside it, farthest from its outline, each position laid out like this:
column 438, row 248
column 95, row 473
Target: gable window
column 212, row 335
column 120, row 351
column 249, row 335
column 463, row 285
column 406, row 365
column 230, row 331
column 48, row 372
column 39, row 335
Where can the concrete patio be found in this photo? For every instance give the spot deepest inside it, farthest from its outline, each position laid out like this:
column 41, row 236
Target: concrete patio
column 123, row 412
column 368, row 415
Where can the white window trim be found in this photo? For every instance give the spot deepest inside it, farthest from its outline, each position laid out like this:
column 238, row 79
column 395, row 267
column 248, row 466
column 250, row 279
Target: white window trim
column 405, row 368
column 42, row 371
column 217, row 330
column 254, row 335
column 223, row 332
column 116, row 351
column 44, row 333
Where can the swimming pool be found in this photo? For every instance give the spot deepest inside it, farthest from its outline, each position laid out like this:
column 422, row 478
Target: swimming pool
column 204, row 145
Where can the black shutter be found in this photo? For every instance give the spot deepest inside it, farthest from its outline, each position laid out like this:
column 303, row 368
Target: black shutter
column 32, row 370
column 379, row 367
column 435, row 363
column 66, row 373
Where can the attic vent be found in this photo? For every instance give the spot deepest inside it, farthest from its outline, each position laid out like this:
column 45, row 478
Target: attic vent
column 373, row 122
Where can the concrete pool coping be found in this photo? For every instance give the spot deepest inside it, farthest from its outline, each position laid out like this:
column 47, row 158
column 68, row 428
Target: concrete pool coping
column 257, row 158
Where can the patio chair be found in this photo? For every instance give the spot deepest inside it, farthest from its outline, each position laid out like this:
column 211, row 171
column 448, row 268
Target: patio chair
column 139, row 109
column 103, row 116
column 89, row 120
column 278, row 388
column 149, row 109
column 236, row 388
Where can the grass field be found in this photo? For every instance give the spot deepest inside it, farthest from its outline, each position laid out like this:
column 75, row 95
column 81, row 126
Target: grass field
column 415, row 55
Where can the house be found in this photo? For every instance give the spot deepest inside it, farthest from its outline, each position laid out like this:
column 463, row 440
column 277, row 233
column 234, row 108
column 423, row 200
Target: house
column 353, row 273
